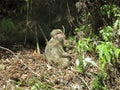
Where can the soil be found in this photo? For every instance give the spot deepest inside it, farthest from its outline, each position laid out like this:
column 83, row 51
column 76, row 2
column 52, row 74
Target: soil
column 17, row 71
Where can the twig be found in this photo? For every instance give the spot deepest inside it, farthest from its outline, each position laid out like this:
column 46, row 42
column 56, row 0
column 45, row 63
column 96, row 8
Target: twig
column 70, row 16
column 27, row 21
column 42, row 33
column 84, row 82
column 63, row 29
column 20, row 60
column 9, row 51
column 37, row 42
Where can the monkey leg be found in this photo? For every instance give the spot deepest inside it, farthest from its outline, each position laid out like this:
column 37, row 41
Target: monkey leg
column 64, row 62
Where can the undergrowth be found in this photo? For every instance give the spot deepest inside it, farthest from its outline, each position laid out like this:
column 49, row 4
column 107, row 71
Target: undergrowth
column 106, row 52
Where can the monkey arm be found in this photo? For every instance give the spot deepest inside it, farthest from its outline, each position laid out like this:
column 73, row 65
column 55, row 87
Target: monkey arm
column 60, row 51
column 66, row 55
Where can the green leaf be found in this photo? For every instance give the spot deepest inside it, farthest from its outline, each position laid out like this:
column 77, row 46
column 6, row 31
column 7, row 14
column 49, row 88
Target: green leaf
column 107, row 54
column 117, row 52
column 7, row 24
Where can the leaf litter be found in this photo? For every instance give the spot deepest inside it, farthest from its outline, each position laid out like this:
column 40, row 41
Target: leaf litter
column 13, row 72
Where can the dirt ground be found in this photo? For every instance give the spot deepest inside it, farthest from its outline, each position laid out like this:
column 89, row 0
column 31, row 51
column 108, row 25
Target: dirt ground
column 27, row 64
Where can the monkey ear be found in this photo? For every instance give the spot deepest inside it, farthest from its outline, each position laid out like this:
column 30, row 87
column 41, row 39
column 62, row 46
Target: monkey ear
column 52, row 34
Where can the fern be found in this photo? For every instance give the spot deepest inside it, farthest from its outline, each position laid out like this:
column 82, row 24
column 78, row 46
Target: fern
column 7, row 24
column 107, row 52
column 107, row 33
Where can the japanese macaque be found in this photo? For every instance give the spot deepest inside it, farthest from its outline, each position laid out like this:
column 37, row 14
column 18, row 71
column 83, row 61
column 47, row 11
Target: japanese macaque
column 54, row 52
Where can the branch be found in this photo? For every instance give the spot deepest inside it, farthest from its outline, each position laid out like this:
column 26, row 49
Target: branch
column 43, row 33
column 84, row 82
column 20, row 60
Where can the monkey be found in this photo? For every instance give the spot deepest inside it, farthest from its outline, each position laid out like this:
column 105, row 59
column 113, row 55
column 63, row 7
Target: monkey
column 54, row 51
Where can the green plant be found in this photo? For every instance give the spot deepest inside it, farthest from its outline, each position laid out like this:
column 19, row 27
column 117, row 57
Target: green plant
column 84, row 30
column 97, row 83
column 116, row 24
column 79, row 65
column 84, row 45
column 7, row 24
column 107, row 52
column 38, row 85
column 107, row 33
column 109, row 10
column 2, row 66
column 7, row 29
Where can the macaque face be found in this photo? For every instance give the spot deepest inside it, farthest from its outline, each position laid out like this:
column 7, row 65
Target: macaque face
column 60, row 36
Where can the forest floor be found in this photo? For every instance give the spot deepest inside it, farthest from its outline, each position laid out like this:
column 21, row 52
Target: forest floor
column 28, row 70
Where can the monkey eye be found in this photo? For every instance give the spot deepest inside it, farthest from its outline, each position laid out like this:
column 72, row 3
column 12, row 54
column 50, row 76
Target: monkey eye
column 59, row 35
column 59, row 32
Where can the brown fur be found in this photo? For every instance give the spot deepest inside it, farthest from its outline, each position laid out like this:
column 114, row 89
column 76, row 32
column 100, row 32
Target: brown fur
column 54, row 52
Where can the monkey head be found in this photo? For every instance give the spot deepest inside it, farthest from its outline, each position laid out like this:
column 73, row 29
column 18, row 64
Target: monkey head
column 57, row 34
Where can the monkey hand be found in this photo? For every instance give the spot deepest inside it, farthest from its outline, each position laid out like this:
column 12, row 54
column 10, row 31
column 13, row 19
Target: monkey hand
column 65, row 54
